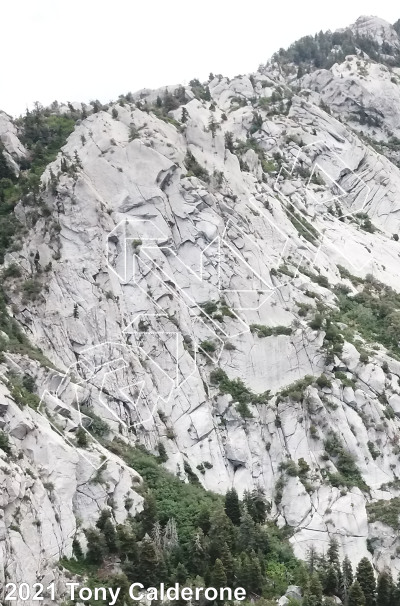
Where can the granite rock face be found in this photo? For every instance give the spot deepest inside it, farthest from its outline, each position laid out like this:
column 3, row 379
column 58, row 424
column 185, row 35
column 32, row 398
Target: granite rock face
column 178, row 244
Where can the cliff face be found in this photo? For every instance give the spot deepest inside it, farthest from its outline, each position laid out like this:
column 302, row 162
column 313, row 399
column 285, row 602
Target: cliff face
column 204, row 270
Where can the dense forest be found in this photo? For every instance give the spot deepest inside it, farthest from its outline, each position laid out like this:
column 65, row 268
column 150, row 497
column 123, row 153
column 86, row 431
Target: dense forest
column 196, row 538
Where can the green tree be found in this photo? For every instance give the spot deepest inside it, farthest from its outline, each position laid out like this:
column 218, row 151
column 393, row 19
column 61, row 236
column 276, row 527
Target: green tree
column 356, row 595
column 346, row 580
column 228, row 563
column 333, row 553
column 232, row 506
column 221, row 531
column 81, row 437
column 95, row 546
column 77, row 549
column 218, row 575
column 110, row 536
column 331, row 581
column 148, row 563
column 315, row 587
column 185, row 115
column 396, row 593
column 247, row 531
column 149, row 513
column 105, row 515
column 126, row 541
column 180, row 574
column 385, row 589
column 365, row 576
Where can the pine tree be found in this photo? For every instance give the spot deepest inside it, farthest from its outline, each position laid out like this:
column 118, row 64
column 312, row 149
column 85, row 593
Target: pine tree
column 221, row 531
column 170, row 539
column 185, row 115
column 218, row 575
column 81, row 437
column 105, row 515
column 244, row 572
column 247, row 531
column 366, row 578
column 311, row 559
column 257, row 504
column 148, row 562
column 228, row 562
column 256, row 574
column 95, row 546
column 232, row 506
column 356, row 595
column 156, row 535
column 77, row 549
column 385, row 589
column 315, row 587
column 110, row 536
column 212, row 126
column 229, row 141
column 181, row 574
column 126, row 541
column 331, row 581
column 333, row 553
column 396, row 593
column 149, row 513
column 346, row 580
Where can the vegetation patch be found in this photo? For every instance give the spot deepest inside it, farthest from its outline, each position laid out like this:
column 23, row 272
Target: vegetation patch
column 239, row 392
column 268, row 331
column 348, row 473
column 387, row 512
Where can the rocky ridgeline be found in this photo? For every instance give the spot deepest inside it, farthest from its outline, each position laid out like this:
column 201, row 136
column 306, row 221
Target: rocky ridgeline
column 190, row 273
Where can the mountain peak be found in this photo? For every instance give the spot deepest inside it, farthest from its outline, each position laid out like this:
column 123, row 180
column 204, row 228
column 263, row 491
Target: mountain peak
column 376, row 28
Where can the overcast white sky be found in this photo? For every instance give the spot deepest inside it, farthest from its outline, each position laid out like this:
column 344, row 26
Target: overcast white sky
column 78, row 50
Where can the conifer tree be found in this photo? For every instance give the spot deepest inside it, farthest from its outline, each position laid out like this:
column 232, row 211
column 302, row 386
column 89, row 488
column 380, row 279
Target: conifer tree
column 315, row 587
column 311, row 559
column 346, row 580
column 385, row 589
column 228, row 562
column 331, row 581
column 110, row 536
column 356, row 595
column 366, row 578
column 126, row 541
column 105, row 515
column 232, row 506
column 149, row 513
column 185, row 115
column 333, row 553
column 396, row 593
column 256, row 574
column 95, row 546
column 247, row 531
column 181, row 573
column 218, row 575
column 77, row 549
column 245, row 573
column 148, row 562
column 221, row 531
